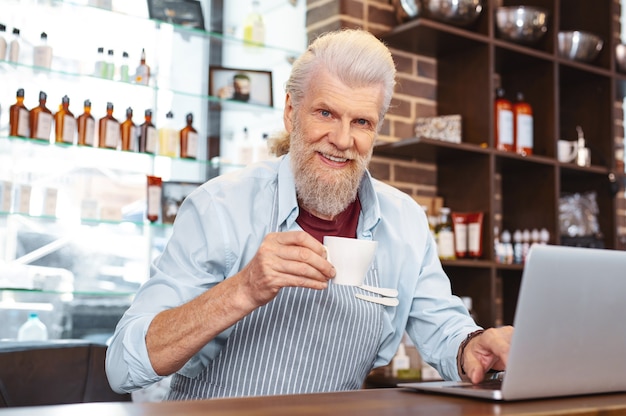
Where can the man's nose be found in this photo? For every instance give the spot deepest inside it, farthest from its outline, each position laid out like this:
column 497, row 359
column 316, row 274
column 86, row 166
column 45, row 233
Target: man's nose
column 341, row 136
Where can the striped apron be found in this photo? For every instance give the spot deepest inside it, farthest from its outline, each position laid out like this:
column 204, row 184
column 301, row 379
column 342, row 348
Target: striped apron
column 303, row 341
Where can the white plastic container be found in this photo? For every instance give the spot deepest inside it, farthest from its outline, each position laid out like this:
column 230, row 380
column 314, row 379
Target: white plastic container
column 32, row 330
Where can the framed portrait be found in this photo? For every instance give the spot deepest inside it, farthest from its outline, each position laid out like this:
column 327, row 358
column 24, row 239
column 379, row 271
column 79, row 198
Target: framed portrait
column 172, row 196
column 245, row 85
column 180, row 12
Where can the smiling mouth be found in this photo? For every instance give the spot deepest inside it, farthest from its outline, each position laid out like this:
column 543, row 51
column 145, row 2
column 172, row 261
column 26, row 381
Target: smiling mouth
column 334, row 158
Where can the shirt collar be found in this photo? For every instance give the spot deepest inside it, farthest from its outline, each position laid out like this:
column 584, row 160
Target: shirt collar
column 288, row 202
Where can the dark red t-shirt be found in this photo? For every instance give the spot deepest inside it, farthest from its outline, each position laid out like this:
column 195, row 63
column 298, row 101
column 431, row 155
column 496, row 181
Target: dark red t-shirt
column 344, row 225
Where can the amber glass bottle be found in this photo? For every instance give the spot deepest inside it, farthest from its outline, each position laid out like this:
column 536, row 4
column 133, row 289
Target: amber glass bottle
column 108, row 129
column 128, row 131
column 19, row 116
column 41, row 119
column 148, row 135
column 64, row 123
column 189, row 139
column 504, row 136
column 523, row 122
column 86, row 126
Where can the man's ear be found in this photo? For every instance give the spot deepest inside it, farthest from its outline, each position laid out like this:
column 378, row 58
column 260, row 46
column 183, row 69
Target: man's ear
column 288, row 114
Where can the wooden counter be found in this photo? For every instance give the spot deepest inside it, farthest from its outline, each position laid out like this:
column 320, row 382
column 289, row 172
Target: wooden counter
column 377, row 402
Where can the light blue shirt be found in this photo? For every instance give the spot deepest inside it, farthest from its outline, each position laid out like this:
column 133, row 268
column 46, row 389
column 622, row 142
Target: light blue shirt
column 218, row 230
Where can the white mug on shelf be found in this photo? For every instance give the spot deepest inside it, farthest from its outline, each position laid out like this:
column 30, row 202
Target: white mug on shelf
column 567, row 151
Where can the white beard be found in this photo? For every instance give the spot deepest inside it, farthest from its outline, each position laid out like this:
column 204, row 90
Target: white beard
column 324, row 193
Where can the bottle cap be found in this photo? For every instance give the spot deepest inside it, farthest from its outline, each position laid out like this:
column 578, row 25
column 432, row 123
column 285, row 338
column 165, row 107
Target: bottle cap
column 20, row 92
column 148, row 112
column 3, row 28
column 169, row 115
column 42, row 95
column 189, row 117
column 101, row 50
column 87, row 103
column 109, row 105
column 129, row 111
column 124, row 54
column 110, row 52
column 43, row 36
column 65, row 99
column 16, row 31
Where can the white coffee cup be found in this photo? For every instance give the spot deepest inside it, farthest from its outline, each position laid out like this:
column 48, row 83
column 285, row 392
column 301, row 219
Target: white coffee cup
column 567, row 150
column 351, row 258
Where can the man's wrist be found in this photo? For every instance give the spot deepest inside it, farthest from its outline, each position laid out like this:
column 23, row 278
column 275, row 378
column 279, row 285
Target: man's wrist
column 461, row 354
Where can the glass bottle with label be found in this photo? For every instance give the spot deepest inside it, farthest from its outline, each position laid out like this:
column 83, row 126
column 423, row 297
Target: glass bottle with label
column 124, row 68
column 148, row 135
column 142, row 75
column 100, row 63
column 42, row 53
column 19, row 117
column 168, row 137
column 155, row 189
column 128, row 131
column 14, row 46
column 64, row 123
column 523, row 123
column 445, row 235
column 41, row 119
column 109, row 67
column 189, row 139
column 503, row 116
column 108, row 129
column 86, row 126
column 3, row 41
column 254, row 27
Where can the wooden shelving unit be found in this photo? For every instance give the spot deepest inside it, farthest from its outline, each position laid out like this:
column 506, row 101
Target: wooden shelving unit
column 523, row 191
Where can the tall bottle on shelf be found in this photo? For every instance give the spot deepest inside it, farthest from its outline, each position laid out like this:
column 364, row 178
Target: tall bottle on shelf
column 64, row 123
column 124, row 68
column 108, row 129
column 109, row 66
column 142, row 74
column 86, row 126
column 19, row 116
column 503, row 116
column 168, row 137
column 445, row 235
column 14, row 46
column 254, row 26
column 189, row 139
column 3, row 42
column 42, row 53
column 148, row 135
column 41, row 119
column 523, row 124
column 128, row 131
column 100, row 63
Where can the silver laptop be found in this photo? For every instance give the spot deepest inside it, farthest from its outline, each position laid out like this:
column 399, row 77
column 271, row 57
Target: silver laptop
column 570, row 328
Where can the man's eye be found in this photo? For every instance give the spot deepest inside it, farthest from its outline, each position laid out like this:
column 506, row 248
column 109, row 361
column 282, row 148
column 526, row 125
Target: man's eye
column 362, row 122
column 325, row 113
